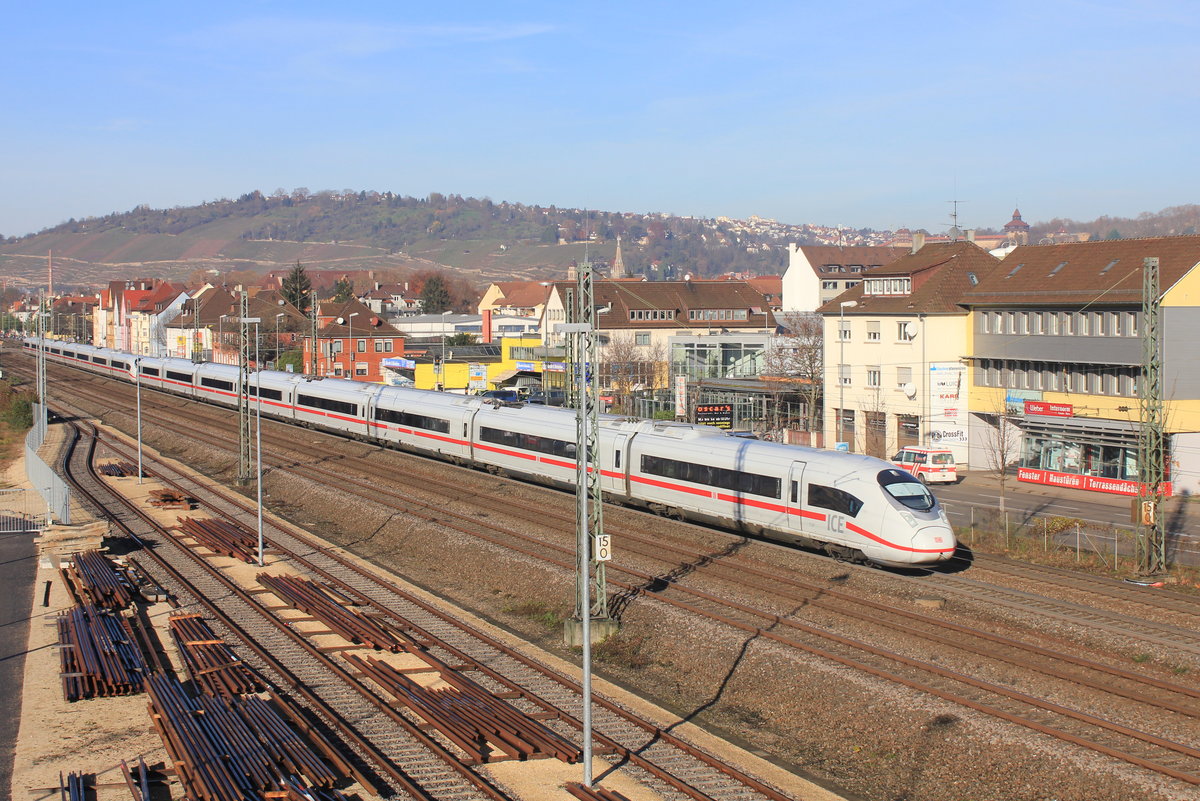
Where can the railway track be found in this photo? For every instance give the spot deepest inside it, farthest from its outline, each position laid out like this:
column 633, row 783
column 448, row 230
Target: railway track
column 1177, row 760
column 676, row 768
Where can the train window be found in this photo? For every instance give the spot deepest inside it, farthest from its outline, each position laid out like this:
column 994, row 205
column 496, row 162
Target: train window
column 901, row 486
column 795, row 491
column 617, row 459
column 328, row 404
column 99, row 360
column 149, row 371
column 267, row 392
column 56, row 351
column 724, row 478
column 68, row 354
column 413, row 420
column 120, row 365
column 174, row 376
column 834, row 499
column 528, row 442
column 216, row 383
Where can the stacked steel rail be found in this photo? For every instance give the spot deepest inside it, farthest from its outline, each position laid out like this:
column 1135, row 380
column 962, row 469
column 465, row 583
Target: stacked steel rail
column 139, row 785
column 469, row 716
column 309, row 597
column 73, row 787
column 593, row 793
column 98, row 654
column 227, row 749
column 213, row 666
column 221, row 536
column 93, row 578
column 118, row 470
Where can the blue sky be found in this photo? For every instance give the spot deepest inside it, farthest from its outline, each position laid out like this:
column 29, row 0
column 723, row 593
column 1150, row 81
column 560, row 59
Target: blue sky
column 872, row 114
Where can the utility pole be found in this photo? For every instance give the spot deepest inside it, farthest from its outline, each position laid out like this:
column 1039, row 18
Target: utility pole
column 312, row 312
column 245, row 432
column 1151, row 540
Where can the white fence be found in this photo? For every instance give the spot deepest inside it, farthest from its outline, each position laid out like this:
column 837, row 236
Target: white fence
column 54, row 490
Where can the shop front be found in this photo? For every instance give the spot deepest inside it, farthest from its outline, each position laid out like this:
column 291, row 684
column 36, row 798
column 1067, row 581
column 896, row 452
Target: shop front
column 1079, row 453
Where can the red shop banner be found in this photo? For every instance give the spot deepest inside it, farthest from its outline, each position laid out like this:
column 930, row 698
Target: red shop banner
column 1113, row 486
column 1049, row 409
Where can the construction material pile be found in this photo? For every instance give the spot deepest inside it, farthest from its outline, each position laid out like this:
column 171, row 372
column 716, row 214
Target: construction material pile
column 311, row 598
column 118, row 470
column 213, row 666
column 94, row 578
column 98, row 654
column 219, row 536
column 171, row 499
column 470, row 716
column 237, row 748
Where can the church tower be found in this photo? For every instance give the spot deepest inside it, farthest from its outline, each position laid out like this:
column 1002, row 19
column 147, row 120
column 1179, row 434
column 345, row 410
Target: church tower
column 618, row 265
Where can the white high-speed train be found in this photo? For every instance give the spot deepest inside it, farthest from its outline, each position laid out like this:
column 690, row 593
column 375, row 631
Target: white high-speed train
column 850, row 506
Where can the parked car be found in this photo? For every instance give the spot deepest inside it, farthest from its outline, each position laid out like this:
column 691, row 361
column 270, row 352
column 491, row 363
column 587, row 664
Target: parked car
column 554, row 397
column 930, row 465
column 506, row 395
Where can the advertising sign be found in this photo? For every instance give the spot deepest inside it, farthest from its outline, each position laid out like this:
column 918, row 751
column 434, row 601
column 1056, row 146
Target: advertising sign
column 947, row 416
column 715, row 414
column 1049, row 409
column 1113, row 486
column 554, row 367
column 680, row 395
column 476, row 376
column 526, row 367
column 398, row 363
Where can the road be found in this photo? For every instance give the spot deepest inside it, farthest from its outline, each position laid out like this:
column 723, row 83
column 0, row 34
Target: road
column 979, row 493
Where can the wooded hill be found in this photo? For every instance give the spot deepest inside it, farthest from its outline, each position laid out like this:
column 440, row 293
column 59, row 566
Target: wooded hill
column 368, row 230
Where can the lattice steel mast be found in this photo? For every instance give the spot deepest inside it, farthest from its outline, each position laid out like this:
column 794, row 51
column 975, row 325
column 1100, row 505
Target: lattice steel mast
column 245, row 433
column 590, row 511
column 1151, row 542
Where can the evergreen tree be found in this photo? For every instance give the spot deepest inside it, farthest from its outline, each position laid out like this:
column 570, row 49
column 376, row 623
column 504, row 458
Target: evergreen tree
column 435, row 297
column 295, row 288
column 343, row 290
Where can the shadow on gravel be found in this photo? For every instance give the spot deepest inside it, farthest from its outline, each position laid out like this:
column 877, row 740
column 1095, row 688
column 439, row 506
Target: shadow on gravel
column 619, row 602
column 720, row 691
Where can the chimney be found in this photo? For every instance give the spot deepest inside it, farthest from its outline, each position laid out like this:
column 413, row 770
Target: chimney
column 918, row 241
column 970, row 234
column 487, row 326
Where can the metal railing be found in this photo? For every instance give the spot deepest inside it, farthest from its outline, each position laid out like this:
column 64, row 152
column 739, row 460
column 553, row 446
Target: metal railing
column 49, row 484
column 1106, row 544
column 20, row 511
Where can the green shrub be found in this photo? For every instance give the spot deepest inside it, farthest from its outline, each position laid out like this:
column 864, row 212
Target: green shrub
column 19, row 414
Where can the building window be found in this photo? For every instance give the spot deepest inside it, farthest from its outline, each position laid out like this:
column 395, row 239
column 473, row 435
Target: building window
column 379, row 346
column 360, row 368
column 362, row 346
column 1129, row 324
column 337, row 370
column 844, row 331
column 829, row 285
column 872, row 330
column 844, row 374
column 874, row 377
column 905, row 332
column 641, row 338
column 903, row 377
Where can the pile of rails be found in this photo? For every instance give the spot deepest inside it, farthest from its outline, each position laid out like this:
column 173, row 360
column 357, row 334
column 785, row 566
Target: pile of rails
column 119, row 470
column 212, row 665
column 73, row 787
column 471, row 717
column 314, row 600
column 593, row 793
column 171, row 499
column 219, row 536
column 235, row 748
column 98, row 654
column 139, row 785
column 93, row 578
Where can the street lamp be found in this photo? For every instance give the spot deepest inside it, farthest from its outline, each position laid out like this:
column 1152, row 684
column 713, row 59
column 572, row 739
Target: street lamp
column 845, row 304
column 281, row 314
column 350, row 322
column 137, row 377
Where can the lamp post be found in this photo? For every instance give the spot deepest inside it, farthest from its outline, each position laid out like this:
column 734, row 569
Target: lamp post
column 281, row 314
column 137, row 377
column 350, row 322
column 845, row 304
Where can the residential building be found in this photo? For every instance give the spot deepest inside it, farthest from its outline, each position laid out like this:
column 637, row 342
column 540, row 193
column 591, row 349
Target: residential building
column 636, row 320
column 818, row 273
column 352, row 342
column 516, row 298
column 894, row 349
column 1057, row 352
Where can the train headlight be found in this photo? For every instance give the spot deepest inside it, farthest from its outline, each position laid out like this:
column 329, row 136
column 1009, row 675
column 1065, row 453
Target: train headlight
column 908, row 518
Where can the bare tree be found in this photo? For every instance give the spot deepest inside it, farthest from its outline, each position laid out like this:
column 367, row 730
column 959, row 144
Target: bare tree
column 795, row 354
column 626, row 367
column 1001, row 444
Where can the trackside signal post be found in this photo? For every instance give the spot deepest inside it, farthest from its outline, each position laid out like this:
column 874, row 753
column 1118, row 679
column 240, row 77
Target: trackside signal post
column 591, row 620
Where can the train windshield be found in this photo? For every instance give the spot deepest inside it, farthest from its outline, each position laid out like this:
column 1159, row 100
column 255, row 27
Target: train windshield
column 906, row 489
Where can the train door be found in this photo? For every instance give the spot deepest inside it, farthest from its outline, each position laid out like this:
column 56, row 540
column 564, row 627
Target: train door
column 614, row 454
column 794, row 495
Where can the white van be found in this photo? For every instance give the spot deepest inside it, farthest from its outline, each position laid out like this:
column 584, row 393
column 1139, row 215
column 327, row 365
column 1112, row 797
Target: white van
column 930, row 465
